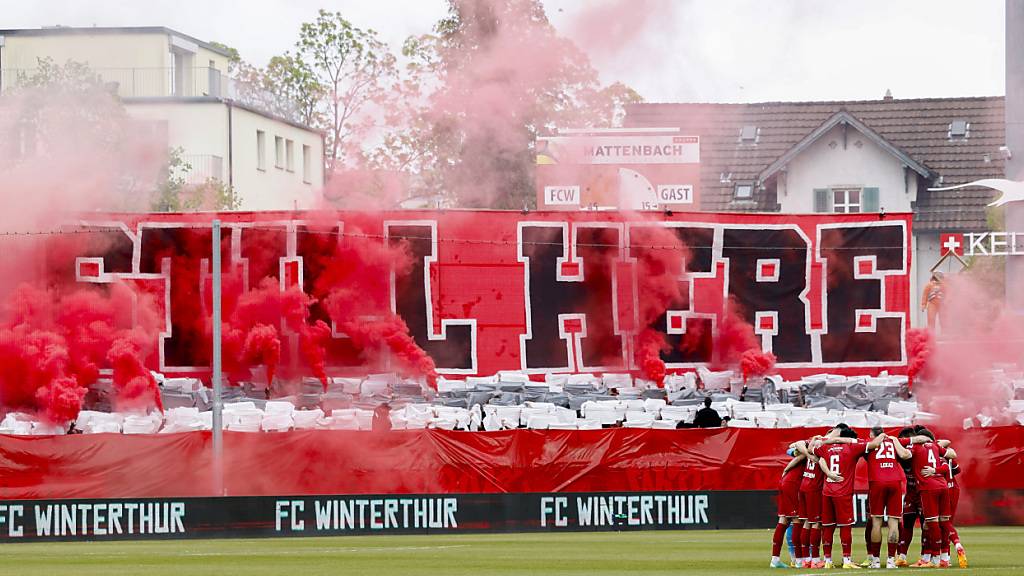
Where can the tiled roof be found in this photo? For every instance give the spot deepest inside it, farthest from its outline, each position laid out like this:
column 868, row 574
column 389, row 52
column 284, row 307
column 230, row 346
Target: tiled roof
column 919, row 127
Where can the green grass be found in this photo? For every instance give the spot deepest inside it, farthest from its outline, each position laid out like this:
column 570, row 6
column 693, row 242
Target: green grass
column 991, row 551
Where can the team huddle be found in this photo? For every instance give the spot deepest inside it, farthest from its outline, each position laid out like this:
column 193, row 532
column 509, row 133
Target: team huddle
column 911, row 476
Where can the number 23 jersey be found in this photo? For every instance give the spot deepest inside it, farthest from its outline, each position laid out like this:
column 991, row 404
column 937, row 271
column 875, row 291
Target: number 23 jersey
column 883, row 464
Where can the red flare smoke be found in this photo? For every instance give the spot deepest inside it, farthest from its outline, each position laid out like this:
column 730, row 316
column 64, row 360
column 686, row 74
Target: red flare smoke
column 62, row 399
column 919, row 348
column 756, row 363
column 356, row 284
column 263, row 346
column 135, row 385
column 735, row 337
column 312, row 347
column 52, row 347
column 649, row 346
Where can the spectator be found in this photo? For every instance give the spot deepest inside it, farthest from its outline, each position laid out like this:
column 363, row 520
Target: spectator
column 382, row 418
column 707, row 417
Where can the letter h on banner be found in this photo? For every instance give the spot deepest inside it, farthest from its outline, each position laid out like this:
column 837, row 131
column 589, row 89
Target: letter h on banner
column 569, row 275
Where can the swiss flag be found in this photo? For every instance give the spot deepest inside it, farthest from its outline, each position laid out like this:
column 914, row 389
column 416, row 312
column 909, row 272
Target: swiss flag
column 951, row 243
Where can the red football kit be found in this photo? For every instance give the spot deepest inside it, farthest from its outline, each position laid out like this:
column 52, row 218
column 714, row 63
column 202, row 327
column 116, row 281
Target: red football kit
column 932, row 489
column 837, row 504
column 809, row 503
column 789, row 491
column 885, row 480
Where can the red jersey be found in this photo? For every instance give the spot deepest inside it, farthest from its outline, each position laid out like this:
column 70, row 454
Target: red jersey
column 793, row 477
column 883, row 465
column 954, row 469
column 928, row 455
column 813, row 477
column 842, row 460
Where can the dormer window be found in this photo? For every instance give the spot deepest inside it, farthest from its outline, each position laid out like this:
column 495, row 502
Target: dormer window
column 959, row 129
column 749, row 134
column 743, row 192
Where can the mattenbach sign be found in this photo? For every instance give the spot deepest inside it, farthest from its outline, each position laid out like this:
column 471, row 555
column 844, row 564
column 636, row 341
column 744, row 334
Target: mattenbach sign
column 551, row 291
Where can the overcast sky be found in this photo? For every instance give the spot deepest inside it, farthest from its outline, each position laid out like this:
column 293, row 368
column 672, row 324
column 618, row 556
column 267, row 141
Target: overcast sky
column 689, row 50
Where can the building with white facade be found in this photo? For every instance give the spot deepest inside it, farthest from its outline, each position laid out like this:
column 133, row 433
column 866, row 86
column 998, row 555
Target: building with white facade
column 850, row 156
column 180, row 86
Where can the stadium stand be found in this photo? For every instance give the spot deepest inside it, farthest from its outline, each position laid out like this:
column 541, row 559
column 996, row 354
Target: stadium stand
column 510, row 400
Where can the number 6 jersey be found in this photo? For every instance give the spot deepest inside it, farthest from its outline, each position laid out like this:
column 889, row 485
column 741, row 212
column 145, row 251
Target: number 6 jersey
column 842, row 460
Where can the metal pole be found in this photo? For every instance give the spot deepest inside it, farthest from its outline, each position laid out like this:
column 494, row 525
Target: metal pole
column 218, row 433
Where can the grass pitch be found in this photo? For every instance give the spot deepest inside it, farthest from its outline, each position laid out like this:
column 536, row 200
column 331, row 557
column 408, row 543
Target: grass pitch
column 991, row 551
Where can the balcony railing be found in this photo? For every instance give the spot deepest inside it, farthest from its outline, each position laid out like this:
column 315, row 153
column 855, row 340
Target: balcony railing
column 145, row 82
column 173, row 82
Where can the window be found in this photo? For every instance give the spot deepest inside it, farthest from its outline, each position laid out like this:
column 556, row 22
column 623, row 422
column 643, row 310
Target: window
column 744, row 192
column 846, row 200
column 959, row 129
column 289, row 155
column 278, row 152
column 261, row 150
column 306, row 166
column 749, row 134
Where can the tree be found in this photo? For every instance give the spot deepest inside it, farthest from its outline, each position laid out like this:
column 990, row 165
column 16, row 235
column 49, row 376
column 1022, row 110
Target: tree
column 69, row 142
column 492, row 76
column 287, row 87
column 352, row 66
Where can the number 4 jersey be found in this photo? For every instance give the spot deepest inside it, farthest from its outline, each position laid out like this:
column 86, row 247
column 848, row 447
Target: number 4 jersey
column 928, row 455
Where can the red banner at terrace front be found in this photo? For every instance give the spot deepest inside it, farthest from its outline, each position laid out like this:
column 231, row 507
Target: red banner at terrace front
column 440, row 462
column 542, row 292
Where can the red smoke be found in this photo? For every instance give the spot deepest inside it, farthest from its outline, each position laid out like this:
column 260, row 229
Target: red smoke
column 919, row 350
column 756, row 363
column 659, row 273
column 954, row 364
column 735, row 338
column 136, row 388
column 356, row 289
column 52, row 347
column 649, row 345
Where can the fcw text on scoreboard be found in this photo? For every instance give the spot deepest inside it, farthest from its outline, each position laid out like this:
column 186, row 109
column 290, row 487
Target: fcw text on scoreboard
column 551, row 291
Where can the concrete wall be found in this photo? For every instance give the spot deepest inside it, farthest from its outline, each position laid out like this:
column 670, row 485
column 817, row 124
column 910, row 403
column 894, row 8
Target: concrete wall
column 826, row 164
column 275, row 187
column 129, row 50
column 135, row 61
column 140, row 63
column 201, row 129
column 198, row 127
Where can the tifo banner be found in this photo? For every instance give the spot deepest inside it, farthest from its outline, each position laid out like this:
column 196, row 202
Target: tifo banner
column 540, row 292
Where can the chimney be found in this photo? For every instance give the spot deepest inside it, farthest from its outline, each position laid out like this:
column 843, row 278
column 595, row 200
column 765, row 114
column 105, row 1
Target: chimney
column 888, row 94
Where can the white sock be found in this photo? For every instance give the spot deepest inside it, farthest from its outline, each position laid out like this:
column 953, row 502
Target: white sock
column 775, row 558
column 926, row 557
column 959, row 547
column 846, row 560
column 903, row 556
column 945, row 556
